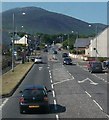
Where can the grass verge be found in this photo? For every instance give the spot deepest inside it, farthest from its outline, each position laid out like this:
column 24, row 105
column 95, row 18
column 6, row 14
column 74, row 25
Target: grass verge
column 10, row 80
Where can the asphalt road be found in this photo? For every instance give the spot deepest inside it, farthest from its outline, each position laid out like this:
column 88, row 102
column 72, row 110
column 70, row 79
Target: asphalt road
column 76, row 93
column 39, row 74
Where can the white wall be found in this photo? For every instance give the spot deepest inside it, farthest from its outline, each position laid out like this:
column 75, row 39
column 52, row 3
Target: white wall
column 102, row 44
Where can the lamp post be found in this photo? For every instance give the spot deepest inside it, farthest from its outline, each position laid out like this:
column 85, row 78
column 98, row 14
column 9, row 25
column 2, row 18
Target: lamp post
column 13, row 39
column 13, row 16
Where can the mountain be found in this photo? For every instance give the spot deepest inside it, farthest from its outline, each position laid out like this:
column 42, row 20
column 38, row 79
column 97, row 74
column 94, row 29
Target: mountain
column 43, row 21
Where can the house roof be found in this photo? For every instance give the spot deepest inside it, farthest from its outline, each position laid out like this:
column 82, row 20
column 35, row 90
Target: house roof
column 82, row 42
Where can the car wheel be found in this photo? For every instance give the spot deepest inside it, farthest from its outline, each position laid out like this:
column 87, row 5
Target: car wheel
column 22, row 111
column 47, row 109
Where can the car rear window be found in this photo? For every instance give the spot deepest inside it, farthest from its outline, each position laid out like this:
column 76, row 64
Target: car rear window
column 97, row 64
column 34, row 92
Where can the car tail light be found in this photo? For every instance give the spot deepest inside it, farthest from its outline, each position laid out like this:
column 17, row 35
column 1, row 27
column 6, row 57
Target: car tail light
column 21, row 100
column 45, row 98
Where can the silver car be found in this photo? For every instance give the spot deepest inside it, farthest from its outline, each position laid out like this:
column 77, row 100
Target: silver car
column 38, row 59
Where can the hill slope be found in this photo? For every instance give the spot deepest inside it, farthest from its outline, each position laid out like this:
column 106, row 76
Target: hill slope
column 40, row 20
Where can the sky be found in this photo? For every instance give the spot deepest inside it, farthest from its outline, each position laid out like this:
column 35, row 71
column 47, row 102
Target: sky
column 91, row 12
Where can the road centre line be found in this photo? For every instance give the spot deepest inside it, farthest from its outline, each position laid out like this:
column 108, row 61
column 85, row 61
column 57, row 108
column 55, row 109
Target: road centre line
column 57, row 117
column 50, row 73
column 53, row 93
column 50, row 76
column 98, row 105
column 54, row 102
column 51, row 81
column 87, row 93
column 52, row 86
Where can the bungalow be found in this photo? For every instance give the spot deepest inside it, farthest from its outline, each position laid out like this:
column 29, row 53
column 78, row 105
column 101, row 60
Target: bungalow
column 81, row 44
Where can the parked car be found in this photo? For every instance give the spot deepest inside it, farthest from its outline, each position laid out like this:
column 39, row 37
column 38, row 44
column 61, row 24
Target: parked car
column 38, row 59
column 65, row 55
column 33, row 98
column 106, row 64
column 67, row 61
column 95, row 66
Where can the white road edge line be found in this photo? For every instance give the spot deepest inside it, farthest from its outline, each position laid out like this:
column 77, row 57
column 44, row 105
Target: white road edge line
column 4, row 103
column 57, row 117
column 88, row 94
column 98, row 105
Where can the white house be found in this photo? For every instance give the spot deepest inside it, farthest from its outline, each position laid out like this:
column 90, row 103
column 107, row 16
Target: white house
column 99, row 46
column 22, row 41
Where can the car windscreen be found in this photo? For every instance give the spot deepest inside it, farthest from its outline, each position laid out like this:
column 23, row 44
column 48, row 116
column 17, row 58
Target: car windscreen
column 67, row 59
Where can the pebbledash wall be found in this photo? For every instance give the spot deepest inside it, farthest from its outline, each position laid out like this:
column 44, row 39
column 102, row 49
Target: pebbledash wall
column 99, row 46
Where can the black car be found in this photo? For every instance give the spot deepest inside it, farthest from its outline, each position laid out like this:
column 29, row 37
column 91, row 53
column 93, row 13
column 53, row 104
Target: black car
column 67, row 61
column 65, row 55
column 95, row 66
column 33, row 98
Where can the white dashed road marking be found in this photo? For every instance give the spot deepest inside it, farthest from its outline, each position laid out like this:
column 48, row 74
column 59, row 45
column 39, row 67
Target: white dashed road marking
column 98, row 105
column 57, row 117
column 87, row 93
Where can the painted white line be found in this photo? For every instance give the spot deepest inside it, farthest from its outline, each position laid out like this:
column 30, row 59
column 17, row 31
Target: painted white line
column 98, row 105
column 51, row 81
column 87, row 93
column 4, row 103
column 40, row 68
column 70, row 74
column 107, row 115
column 57, row 117
column 73, row 77
column 88, row 79
column 53, row 93
column 52, row 86
column 62, row 81
column 48, row 67
column 50, row 73
column 50, row 76
column 54, row 102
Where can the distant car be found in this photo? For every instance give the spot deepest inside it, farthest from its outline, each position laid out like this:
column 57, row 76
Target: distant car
column 59, row 49
column 95, row 66
column 106, row 64
column 67, row 61
column 54, row 52
column 65, row 55
column 34, row 97
column 38, row 59
column 45, row 50
column 32, row 58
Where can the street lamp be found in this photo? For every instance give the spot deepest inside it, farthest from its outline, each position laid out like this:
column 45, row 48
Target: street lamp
column 13, row 38
column 13, row 16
